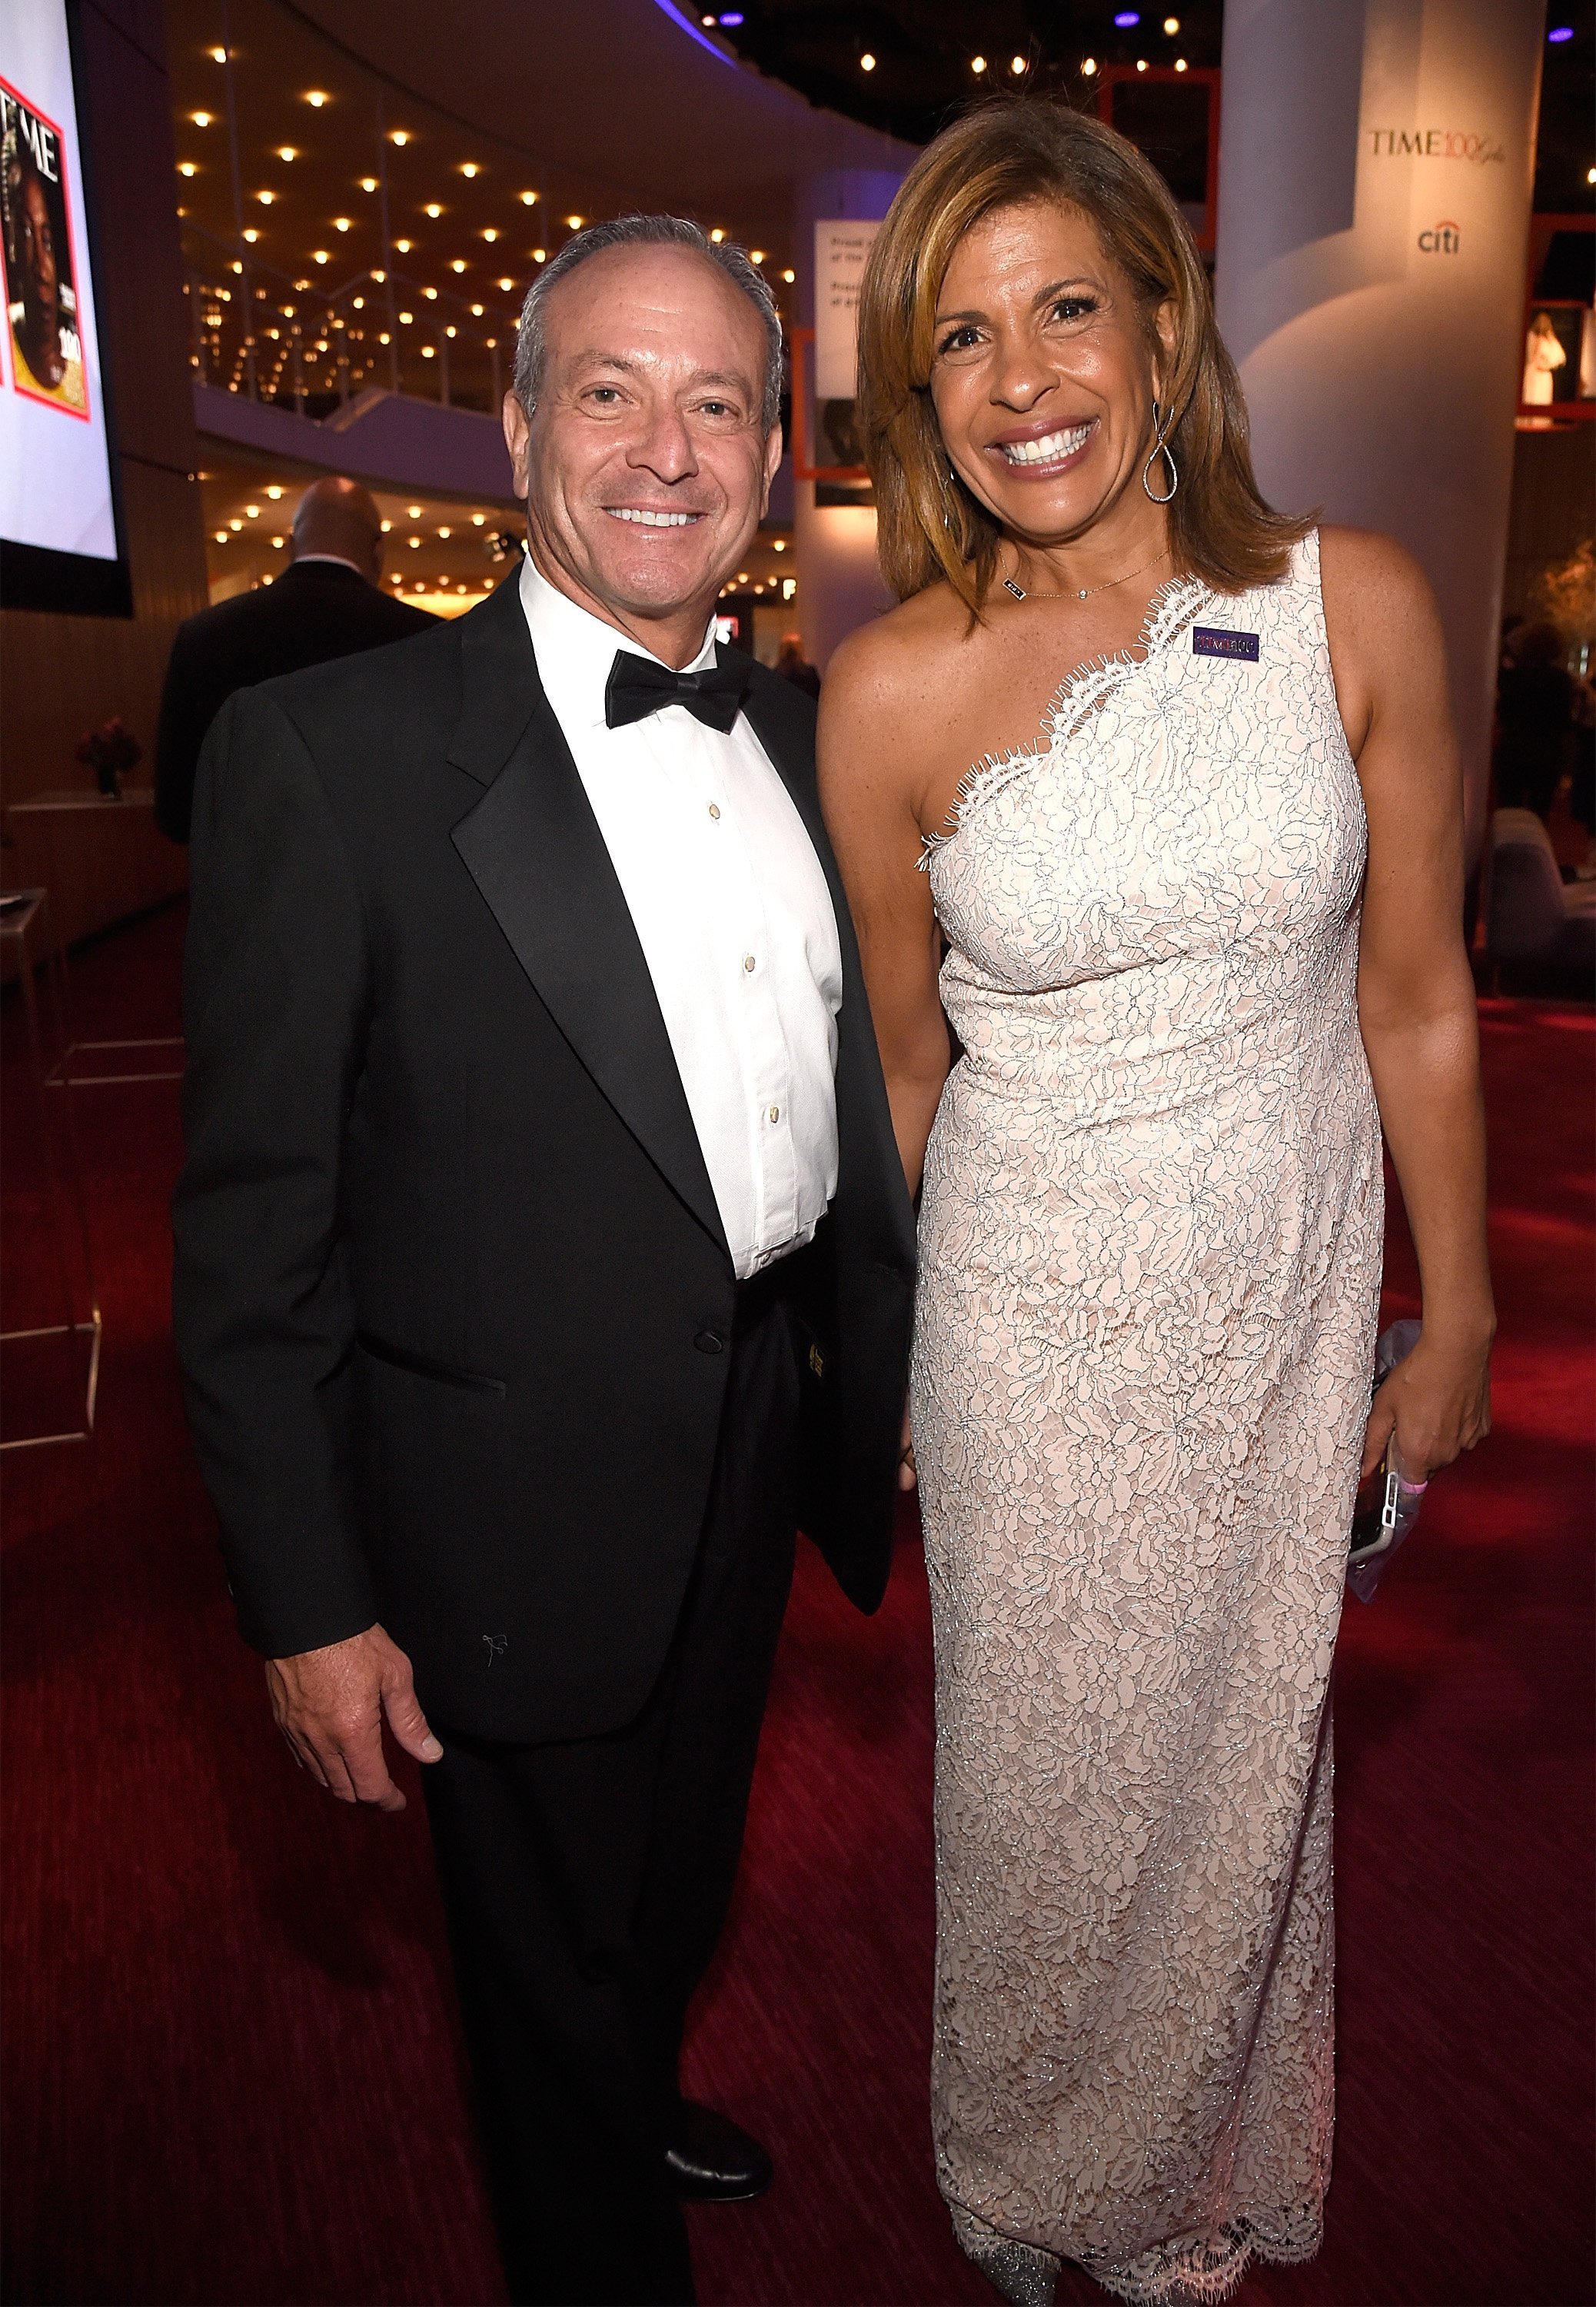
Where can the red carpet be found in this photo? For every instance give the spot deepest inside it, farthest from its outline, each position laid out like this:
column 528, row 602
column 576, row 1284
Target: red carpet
column 230, row 2068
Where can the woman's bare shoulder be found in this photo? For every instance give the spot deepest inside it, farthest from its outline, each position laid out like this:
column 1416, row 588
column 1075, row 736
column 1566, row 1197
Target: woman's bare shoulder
column 1366, row 576
column 908, row 655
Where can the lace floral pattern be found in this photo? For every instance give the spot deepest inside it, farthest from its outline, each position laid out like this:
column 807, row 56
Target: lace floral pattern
column 1150, row 1246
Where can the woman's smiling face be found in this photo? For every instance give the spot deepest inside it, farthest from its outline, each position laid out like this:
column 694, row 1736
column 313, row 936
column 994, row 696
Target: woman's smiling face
column 1043, row 370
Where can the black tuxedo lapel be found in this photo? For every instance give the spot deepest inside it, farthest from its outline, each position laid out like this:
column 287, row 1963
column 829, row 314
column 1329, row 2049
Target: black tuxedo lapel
column 533, row 846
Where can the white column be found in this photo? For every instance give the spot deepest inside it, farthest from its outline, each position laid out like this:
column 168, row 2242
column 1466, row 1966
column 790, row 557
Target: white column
column 1375, row 182
column 840, row 585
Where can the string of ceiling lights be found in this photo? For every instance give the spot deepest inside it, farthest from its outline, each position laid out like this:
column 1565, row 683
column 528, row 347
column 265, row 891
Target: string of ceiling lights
column 309, row 308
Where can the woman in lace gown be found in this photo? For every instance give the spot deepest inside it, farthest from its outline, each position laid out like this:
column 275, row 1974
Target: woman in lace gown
column 1192, row 912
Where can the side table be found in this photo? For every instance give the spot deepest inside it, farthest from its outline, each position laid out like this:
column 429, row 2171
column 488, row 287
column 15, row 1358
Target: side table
column 51, row 809
column 23, row 918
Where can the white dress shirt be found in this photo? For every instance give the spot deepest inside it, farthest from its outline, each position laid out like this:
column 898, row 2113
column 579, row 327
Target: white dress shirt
column 735, row 918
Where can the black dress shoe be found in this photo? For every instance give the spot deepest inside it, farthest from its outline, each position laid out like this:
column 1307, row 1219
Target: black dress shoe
column 711, row 2160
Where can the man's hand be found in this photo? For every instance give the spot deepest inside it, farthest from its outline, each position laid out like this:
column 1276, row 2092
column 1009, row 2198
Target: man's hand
column 329, row 1705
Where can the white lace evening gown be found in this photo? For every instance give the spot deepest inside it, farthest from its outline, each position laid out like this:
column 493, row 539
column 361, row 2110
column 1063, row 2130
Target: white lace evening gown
column 1150, row 1255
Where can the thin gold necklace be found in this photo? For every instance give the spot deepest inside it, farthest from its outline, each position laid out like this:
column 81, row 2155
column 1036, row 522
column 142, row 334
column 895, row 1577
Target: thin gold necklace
column 1086, row 591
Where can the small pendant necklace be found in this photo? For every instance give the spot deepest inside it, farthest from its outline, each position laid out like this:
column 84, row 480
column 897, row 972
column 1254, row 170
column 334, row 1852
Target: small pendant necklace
column 1086, row 591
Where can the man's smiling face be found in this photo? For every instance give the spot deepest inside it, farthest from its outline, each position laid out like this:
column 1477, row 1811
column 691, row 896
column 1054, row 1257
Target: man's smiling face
column 645, row 462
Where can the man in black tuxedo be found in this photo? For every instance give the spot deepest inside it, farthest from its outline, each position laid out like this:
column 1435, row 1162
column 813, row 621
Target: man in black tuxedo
column 325, row 605
column 543, row 1255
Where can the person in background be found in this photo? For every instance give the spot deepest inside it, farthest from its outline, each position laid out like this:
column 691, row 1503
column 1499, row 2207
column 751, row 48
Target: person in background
column 1543, row 356
column 325, row 605
column 1534, row 719
column 793, row 666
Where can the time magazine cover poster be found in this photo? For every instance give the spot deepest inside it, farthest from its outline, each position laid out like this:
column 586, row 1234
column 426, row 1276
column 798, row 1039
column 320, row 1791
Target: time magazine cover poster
column 39, row 258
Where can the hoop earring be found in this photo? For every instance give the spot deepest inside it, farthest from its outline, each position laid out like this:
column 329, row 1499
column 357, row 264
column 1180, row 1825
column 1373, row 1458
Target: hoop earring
column 1162, row 428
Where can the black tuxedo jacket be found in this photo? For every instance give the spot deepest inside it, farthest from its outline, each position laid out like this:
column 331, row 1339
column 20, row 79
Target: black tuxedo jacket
column 452, row 1294
column 316, row 609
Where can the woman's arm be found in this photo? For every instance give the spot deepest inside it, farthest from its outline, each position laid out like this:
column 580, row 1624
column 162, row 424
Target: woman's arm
column 869, row 792
column 1416, row 1002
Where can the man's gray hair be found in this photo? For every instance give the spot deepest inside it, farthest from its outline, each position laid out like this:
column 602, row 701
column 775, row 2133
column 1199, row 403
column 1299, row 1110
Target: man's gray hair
column 532, row 350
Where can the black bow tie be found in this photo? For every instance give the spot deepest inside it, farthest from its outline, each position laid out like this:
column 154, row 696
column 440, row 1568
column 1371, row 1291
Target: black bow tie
column 637, row 687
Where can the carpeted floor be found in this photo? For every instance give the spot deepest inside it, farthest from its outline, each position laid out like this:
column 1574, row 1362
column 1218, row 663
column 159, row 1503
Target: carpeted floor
column 231, row 2074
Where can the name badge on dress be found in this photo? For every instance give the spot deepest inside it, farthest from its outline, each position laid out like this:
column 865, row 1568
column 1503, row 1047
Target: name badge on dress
column 1213, row 640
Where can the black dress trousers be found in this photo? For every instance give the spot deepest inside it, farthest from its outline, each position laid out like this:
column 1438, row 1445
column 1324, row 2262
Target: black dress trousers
column 586, row 1882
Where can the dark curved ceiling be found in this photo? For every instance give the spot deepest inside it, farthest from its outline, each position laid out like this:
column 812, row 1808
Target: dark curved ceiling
column 922, row 53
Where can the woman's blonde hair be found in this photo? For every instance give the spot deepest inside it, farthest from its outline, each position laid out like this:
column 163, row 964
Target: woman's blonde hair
column 929, row 525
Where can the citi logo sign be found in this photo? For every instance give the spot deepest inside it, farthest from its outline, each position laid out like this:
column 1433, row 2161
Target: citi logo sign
column 1441, row 240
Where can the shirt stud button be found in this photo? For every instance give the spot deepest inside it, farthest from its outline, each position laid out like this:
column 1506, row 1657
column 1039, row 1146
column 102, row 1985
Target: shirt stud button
column 714, row 808
column 775, row 1114
column 710, row 1342
column 748, row 963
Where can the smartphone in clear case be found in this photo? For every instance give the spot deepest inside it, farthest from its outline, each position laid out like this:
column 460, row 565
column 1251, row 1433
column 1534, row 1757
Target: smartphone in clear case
column 1387, row 1503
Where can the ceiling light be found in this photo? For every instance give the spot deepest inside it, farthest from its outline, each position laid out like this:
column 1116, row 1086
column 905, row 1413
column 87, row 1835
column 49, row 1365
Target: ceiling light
column 491, row 342
column 316, row 97
column 1591, row 176
column 1089, row 65
column 866, row 61
column 708, row 22
column 1016, row 64
column 251, row 234
column 398, row 136
column 977, row 64
column 235, row 526
column 456, row 264
column 529, row 200
column 433, row 210
column 221, row 537
column 414, row 543
column 574, row 223
column 358, row 304
column 431, row 295
column 403, row 246
column 414, row 512
column 253, row 511
column 277, row 543
column 538, row 256
column 386, row 527
column 1141, row 64
column 368, row 183
column 218, row 55
column 384, row 338
column 507, row 286
column 319, row 256
column 756, row 256
column 426, row 354
column 266, row 199
column 340, row 224
column 275, row 490
column 469, row 169
column 1172, row 25
column 406, row 319
column 719, row 235
column 288, row 153
column 201, row 119
column 1560, row 33
column 789, row 275
column 380, row 275
column 187, row 168
column 477, row 311
column 1126, row 18
column 479, row 521
column 781, row 544
column 489, row 232
column 1180, row 64
column 730, row 18
column 443, row 532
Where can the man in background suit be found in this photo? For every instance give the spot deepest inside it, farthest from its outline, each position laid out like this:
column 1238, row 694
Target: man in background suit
column 544, row 1254
column 325, row 605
